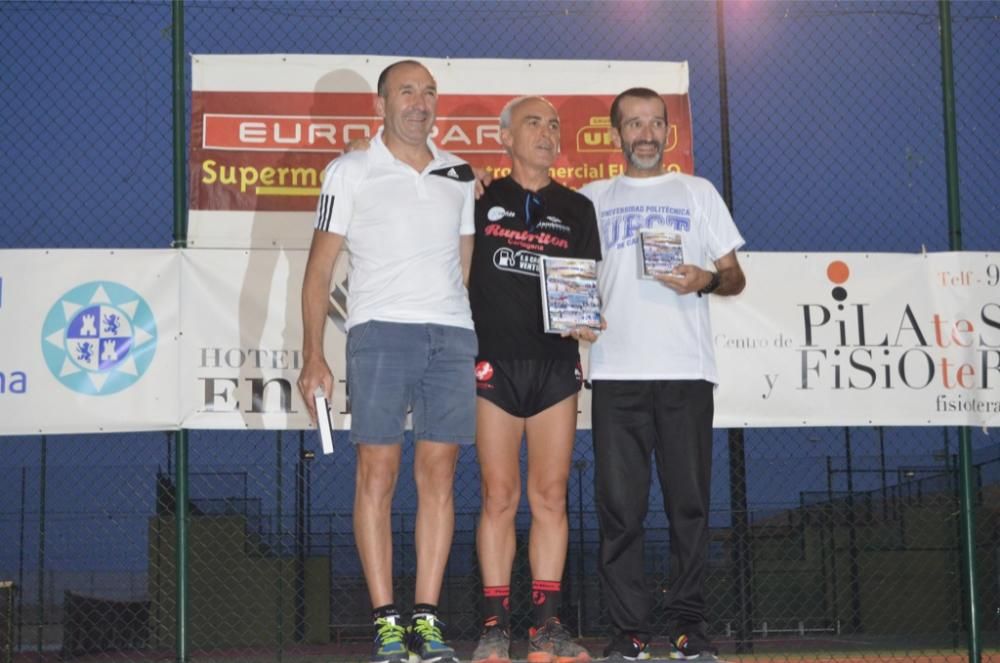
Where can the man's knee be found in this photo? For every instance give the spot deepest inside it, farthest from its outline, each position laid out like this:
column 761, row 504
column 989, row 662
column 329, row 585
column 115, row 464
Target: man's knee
column 434, row 462
column 500, row 498
column 376, row 475
column 548, row 497
column 434, row 468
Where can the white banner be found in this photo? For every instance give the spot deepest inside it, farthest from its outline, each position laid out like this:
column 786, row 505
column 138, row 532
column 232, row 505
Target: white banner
column 239, row 364
column 242, row 347
column 89, row 340
column 860, row 340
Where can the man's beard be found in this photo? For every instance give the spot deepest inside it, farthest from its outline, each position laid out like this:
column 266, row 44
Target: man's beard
column 647, row 163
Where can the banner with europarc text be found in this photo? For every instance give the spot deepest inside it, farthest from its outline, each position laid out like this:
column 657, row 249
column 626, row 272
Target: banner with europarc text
column 264, row 127
column 89, row 340
column 860, row 340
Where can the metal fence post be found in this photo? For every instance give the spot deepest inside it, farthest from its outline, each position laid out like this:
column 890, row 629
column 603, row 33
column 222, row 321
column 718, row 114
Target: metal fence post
column 740, row 530
column 180, row 241
column 20, row 560
column 581, row 582
column 301, row 468
column 967, row 500
column 882, row 472
column 279, row 551
column 42, row 472
column 852, row 539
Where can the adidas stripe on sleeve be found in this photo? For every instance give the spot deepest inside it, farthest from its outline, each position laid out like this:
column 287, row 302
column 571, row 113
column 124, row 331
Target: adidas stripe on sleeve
column 336, row 200
column 468, row 222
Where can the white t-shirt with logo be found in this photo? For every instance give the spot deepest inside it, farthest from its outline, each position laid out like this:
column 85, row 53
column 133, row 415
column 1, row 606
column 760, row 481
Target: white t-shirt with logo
column 653, row 333
column 402, row 233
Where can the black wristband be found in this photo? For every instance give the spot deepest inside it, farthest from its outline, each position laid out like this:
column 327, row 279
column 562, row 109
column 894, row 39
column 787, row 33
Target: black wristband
column 712, row 286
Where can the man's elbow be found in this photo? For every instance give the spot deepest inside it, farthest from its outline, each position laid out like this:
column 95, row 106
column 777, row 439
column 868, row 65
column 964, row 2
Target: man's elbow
column 739, row 283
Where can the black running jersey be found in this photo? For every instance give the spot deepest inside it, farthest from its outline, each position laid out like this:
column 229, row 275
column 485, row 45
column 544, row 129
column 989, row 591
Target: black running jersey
column 514, row 227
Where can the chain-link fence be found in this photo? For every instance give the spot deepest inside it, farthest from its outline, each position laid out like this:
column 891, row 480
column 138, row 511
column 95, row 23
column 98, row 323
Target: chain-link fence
column 825, row 542
column 858, row 552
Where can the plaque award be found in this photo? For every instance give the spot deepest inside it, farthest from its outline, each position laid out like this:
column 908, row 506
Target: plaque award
column 569, row 294
column 659, row 252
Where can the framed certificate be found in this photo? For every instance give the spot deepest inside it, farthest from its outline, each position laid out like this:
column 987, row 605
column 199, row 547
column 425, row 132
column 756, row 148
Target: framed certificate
column 569, row 294
column 660, row 252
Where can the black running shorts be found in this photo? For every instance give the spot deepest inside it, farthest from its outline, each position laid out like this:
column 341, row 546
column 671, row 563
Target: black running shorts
column 525, row 387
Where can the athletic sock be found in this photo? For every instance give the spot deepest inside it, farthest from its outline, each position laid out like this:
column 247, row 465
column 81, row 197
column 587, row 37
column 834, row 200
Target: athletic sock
column 388, row 610
column 425, row 609
column 496, row 606
column 546, row 596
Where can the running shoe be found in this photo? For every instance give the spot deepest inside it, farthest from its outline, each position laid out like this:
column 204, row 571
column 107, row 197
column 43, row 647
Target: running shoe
column 426, row 642
column 389, row 644
column 627, row 647
column 493, row 647
column 692, row 645
column 552, row 643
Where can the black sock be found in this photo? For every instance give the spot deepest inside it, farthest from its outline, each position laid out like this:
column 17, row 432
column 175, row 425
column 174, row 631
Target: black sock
column 388, row 610
column 496, row 606
column 425, row 609
column 545, row 597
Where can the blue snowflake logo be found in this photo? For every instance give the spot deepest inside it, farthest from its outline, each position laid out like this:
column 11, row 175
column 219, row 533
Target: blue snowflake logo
column 99, row 338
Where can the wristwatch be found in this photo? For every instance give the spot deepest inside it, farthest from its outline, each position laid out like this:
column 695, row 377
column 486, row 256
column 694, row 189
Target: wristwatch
column 712, row 286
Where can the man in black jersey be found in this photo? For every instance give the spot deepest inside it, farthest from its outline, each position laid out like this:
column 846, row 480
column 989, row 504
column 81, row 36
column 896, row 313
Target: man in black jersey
column 527, row 380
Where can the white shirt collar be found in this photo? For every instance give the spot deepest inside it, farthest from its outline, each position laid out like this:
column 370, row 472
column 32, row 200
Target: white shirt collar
column 378, row 144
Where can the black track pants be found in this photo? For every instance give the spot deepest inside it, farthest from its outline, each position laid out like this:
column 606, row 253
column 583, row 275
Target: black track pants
column 633, row 420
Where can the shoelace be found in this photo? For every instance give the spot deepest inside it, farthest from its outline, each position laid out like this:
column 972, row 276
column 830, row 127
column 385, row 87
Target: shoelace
column 428, row 630
column 389, row 632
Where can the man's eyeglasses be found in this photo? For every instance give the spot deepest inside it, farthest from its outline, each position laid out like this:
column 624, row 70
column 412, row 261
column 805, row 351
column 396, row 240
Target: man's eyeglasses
column 534, row 210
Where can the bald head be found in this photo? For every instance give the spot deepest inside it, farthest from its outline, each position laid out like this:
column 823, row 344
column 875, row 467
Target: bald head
column 529, row 131
column 407, row 103
column 507, row 114
column 383, row 78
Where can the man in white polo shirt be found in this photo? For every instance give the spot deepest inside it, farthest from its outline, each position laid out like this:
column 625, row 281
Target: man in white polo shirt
column 404, row 210
column 653, row 375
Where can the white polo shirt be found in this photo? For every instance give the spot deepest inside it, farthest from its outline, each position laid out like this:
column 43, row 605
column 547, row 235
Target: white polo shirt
column 653, row 333
column 402, row 233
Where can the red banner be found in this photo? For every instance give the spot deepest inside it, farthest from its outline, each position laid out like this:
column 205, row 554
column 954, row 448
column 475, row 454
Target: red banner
column 267, row 150
column 264, row 127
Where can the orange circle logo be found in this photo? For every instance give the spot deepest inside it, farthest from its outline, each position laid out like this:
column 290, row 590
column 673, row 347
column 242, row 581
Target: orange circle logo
column 838, row 271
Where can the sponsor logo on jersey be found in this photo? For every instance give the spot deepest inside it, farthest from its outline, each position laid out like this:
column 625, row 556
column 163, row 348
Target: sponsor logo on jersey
column 484, row 371
column 462, row 173
column 553, row 223
column 527, row 239
column 496, row 213
column 519, row 262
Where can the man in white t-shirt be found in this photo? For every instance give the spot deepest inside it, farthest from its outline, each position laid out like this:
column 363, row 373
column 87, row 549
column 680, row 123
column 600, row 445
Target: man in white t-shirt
column 404, row 210
column 653, row 375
